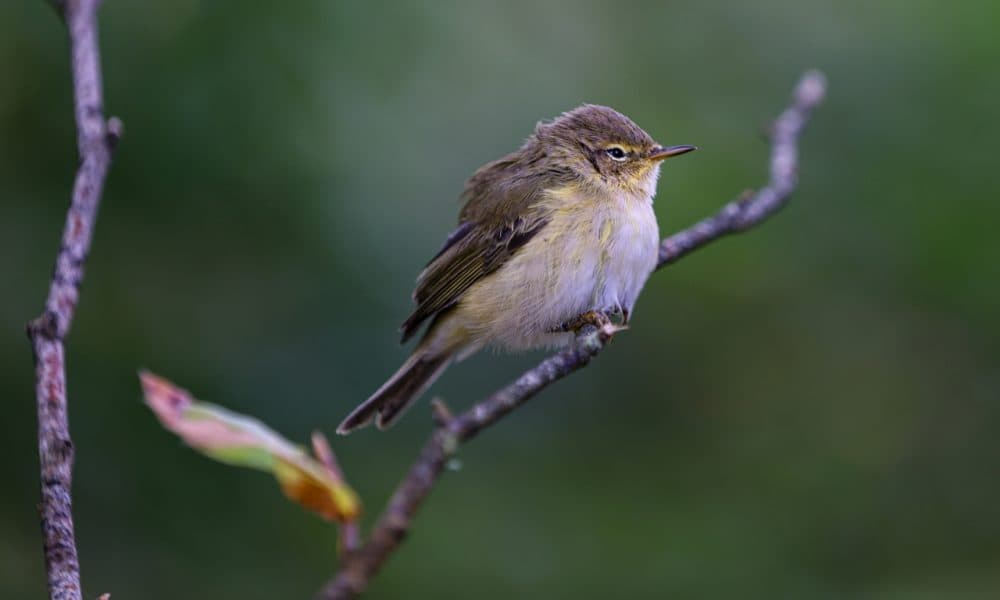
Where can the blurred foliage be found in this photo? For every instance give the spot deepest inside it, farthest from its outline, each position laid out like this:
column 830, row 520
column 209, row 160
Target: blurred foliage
column 809, row 410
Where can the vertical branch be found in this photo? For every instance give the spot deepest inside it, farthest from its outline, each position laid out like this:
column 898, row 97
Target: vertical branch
column 95, row 141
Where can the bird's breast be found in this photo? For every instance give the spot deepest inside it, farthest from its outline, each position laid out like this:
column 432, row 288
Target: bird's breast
column 594, row 254
column 629, row 239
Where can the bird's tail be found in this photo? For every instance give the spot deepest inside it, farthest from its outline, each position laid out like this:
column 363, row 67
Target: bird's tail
column 395, row 395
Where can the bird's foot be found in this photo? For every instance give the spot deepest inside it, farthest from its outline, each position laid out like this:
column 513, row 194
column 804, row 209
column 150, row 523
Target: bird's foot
column 620, row 312
column 596, row 318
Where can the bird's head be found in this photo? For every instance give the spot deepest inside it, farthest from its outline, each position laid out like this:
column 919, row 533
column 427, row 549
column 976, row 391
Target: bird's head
column 606, row 148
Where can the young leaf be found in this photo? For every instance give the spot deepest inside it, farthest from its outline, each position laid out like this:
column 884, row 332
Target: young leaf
column 243, row 441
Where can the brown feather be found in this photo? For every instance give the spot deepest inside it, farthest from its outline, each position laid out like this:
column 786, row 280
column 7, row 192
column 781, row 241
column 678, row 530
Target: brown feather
column 476, row 249
column 501, row 198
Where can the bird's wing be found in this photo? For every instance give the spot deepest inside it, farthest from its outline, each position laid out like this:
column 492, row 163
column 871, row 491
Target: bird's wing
column 495, row 222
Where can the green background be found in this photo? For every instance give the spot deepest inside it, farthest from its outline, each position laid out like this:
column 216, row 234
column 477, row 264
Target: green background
column 811, row 410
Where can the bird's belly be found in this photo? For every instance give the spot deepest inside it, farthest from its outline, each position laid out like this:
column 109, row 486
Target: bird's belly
column 580, row 261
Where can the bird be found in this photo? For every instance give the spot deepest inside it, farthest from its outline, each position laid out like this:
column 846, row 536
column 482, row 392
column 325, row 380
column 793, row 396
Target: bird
column 560, row 229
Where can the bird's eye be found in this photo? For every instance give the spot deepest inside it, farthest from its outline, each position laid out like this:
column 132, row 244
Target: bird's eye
column 616, row 153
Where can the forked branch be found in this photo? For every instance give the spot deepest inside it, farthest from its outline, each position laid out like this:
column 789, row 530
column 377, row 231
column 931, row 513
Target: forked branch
column 359, row 566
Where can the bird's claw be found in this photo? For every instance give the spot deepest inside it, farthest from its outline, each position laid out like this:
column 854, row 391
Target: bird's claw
column 618, row 311
column 596, row 318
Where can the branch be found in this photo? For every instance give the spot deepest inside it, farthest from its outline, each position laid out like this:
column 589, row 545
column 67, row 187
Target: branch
column 752, row 208
column 360, row 566
column 95, row 142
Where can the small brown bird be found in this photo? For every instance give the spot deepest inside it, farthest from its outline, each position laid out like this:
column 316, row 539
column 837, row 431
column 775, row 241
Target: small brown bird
column 561, row 227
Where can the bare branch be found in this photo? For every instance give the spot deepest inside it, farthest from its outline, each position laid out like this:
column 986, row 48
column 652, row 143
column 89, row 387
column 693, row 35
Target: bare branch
column 95, row 141
column 359, row 566
column 753, row 207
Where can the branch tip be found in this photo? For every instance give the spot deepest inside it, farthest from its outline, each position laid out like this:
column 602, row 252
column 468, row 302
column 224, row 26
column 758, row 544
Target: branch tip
column 323, row 452
column 811, row 88
column 114, row 130
column 441, row 414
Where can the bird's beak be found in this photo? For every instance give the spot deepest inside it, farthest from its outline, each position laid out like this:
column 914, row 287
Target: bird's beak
column 662, row 153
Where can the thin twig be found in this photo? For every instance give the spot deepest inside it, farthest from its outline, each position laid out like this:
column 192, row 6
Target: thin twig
column 752, row 208
column 95, row 141
column 350, row 535
column 358, row 567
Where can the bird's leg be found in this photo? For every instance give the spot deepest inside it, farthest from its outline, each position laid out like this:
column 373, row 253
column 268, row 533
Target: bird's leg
column 598, row 319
